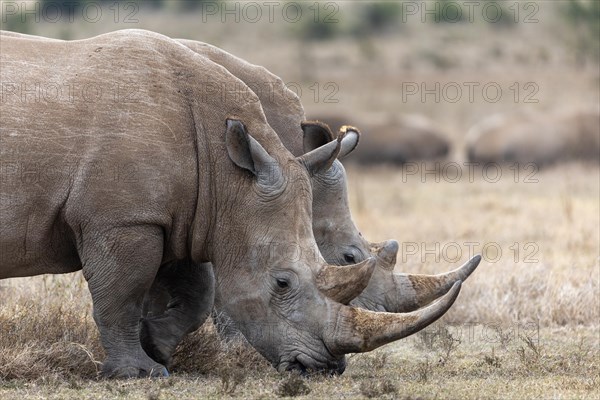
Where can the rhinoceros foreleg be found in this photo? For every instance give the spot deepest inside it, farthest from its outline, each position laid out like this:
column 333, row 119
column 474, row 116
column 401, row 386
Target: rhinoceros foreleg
column 119, row 267
column 179, row 301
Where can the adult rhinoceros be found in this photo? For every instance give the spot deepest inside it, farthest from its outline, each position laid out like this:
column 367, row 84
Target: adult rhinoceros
column 198, row 187
column 536, row 138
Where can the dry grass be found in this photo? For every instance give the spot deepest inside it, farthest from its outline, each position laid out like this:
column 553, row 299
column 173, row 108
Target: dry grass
column 47, row 331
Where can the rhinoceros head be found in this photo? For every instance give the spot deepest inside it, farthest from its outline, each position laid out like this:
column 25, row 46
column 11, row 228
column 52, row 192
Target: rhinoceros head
column 339, row 240
column 282, row 295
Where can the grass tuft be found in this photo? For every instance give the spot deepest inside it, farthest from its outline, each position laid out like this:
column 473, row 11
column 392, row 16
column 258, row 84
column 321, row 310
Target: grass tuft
column 293, row 385
column 373, row 389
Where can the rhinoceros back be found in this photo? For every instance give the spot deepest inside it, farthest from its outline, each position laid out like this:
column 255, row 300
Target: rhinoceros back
column 282, row 107
column 103, row 130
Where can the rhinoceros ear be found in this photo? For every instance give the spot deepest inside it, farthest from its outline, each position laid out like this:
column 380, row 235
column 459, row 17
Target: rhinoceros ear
column 351, row 136
column 316, row 134
column 247, row 153
column 324, row 149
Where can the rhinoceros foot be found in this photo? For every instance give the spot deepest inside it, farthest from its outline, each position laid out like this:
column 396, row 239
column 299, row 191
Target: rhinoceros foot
column 132, row 368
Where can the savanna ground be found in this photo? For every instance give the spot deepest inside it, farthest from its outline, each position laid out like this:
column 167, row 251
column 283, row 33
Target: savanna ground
column 525, row 324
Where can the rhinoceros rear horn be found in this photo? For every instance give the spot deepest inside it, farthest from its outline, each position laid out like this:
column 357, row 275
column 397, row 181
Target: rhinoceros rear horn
column 386, row 252
column 358, row 330
column 413, row 291
column 344, row 283
column 321, row 149
column 247, row 153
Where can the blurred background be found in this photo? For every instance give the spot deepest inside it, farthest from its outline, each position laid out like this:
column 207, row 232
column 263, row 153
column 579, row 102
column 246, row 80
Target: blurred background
column 418, row 72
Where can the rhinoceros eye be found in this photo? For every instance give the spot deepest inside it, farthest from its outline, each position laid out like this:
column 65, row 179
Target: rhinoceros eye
column 282, row 283
column 349, row 258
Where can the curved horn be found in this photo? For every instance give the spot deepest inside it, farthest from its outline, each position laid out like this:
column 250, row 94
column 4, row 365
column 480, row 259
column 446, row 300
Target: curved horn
column 398, row 292
column 358, row 330
column 344, row 283
column 414, row 291
column 321, row 158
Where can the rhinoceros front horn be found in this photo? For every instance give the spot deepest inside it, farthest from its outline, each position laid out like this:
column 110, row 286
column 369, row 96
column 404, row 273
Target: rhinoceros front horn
column 417, row 290
column 359, row 331
column 400, row 292
column 344, row 283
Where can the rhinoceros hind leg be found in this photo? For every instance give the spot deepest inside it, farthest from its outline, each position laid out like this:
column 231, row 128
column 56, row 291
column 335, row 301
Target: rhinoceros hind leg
column 179, row 301
column 119, row 267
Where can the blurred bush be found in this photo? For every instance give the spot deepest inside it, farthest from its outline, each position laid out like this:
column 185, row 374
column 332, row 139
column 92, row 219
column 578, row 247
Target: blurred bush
column 377, row 17
column 72, row 6
column 584, row 19
column 362, row 19
column 318, row 22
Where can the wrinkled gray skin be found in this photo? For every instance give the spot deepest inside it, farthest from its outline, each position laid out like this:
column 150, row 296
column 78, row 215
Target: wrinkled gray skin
column 196, row 188
column 184, row 194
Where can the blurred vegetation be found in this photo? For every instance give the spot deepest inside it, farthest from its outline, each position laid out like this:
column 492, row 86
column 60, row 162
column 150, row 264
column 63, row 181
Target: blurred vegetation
column 378, row 17
column 316, row 23
column 381, row 17
column 79, row 4
column 73, row 6
column 65, row 12
column 584, row 19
